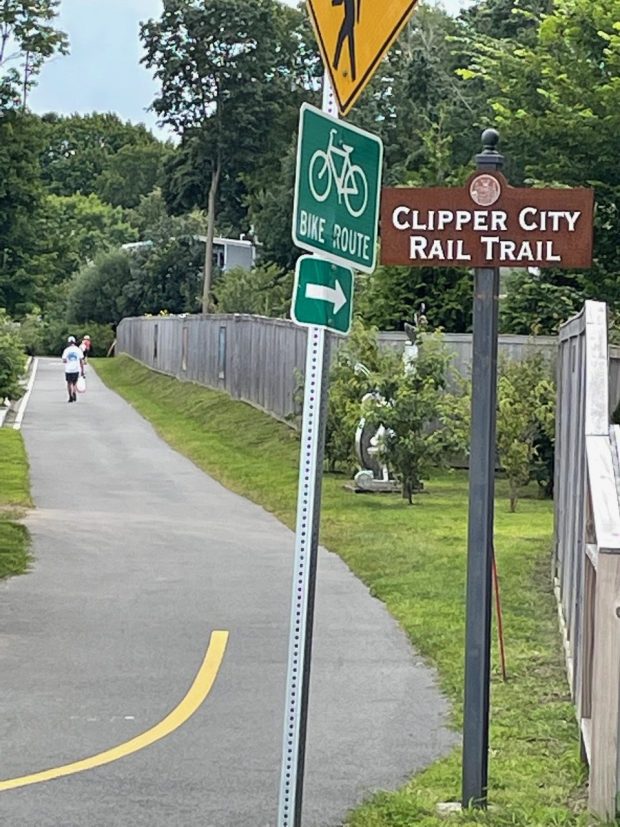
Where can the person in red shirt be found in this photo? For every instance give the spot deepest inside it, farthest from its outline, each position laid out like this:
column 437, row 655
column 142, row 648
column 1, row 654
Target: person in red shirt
column 85, row 347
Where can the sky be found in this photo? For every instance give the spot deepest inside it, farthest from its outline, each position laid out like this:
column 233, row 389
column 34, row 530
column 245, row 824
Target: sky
column 103, row 71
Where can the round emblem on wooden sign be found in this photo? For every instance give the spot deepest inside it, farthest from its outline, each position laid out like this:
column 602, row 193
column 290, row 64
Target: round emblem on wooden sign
column 485, row 190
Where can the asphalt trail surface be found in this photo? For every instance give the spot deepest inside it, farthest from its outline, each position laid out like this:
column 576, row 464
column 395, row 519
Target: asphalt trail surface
column 138, row 557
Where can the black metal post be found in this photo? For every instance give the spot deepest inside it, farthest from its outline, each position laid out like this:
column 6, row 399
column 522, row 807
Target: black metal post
column 480, row 525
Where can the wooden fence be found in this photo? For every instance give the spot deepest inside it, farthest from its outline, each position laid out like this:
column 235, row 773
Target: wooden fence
column 253, row 359
column 587, row 546
column 259, row 360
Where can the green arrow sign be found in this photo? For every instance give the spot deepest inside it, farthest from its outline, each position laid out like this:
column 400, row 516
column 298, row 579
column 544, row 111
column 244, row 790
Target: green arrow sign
column 337, row 190
column 323, row 295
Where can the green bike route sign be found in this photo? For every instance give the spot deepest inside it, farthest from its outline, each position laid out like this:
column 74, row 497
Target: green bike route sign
column 337, row 190
column 322, row 295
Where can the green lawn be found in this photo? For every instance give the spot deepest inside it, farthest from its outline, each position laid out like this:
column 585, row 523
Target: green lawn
column 412, row 558
column 14, row 498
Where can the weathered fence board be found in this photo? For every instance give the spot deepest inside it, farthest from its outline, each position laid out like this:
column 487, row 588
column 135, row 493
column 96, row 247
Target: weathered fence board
column 587, row 544
column 253, row 359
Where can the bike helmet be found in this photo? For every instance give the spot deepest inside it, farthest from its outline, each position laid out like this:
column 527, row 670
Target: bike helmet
column 71, row 340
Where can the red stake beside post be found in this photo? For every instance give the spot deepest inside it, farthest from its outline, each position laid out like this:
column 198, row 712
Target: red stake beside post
column 500, row 623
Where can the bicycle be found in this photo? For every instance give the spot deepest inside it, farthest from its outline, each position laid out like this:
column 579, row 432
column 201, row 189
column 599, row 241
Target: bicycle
column 351, row 183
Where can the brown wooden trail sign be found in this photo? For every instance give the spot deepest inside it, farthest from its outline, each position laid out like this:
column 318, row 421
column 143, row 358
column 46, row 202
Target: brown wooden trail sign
column 487, row 223
column 353, row 37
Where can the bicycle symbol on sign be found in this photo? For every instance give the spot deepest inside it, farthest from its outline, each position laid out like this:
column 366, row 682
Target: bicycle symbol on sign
column 351, row 183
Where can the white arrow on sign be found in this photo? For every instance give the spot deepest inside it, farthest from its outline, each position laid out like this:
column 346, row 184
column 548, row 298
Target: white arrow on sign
column 333, row 295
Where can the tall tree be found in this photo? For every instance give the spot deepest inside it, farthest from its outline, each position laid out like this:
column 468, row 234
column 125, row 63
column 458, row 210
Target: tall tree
column 416, row 93
column 76, row 229
column 133, row 172
column 270, row 211
column 556, row 100
column 506, row 19
column 99, row 153
column 227, row 71
column 27, row 39
column 20, row 197
column 153, row 223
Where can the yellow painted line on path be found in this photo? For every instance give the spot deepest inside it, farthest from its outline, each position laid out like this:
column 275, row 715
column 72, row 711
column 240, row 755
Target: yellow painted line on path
column 198, row 691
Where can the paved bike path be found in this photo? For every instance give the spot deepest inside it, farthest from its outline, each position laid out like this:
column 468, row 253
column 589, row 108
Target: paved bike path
column 138, row 557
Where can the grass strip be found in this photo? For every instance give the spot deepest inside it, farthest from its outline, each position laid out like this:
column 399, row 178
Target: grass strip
column 413, row 559
column 14, row 499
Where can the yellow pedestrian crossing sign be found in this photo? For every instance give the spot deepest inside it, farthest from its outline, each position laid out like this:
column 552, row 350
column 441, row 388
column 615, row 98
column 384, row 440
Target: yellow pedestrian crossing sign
column 353, row 37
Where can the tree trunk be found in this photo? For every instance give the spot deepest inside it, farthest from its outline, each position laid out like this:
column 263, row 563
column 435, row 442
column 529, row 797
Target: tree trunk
column 3, row 41
column 26, row 79
column 408, row 492
column 514, row 496
column 208, row 271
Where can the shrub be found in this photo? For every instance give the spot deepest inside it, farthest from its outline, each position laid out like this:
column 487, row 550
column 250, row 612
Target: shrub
column 101, row 336
column 535, row 306
column 30, row 330
column 104, row 291
column 525, row 423
column 47, row 335
column 12, row 357
column 265, row 291
column 44, row 336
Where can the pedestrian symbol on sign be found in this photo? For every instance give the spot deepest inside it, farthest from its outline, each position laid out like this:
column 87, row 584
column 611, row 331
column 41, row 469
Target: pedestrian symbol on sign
column 353, row 43
column 352, row 9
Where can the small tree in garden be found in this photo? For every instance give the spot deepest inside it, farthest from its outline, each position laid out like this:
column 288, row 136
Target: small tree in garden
column 12, row 357
column 525, row 412
column 347, row 386
column 421, row 430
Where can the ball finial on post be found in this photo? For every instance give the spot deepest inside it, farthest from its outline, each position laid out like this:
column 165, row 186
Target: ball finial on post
column 490, row 140
column 489, row 159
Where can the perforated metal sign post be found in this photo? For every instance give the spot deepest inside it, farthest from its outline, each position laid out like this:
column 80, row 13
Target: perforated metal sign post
column 304, row 578
column 304, row 567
